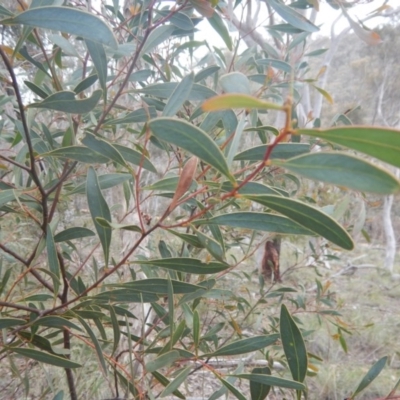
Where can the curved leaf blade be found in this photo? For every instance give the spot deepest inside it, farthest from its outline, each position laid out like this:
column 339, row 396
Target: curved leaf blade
column 309, row 217
column 160, row 286
column 45, row 357
column 265, row 222
column 189, row 265
column 69, row 20
column 162, row 361
column 272, row 381
column 343, row 170
column 179, row 96
column 293, row 345
column 192, row 139
column 65, row 101
column 78, row 153
column 245, row 345
column 227, row 101
column 73, row 233
column 98, row 208
column 381, row 143
column 280, row 151
column 259, row 391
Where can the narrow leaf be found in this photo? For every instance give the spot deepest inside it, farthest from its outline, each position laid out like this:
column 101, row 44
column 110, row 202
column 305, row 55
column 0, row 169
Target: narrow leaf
column 343, row 170
column 73, row 233
column 173, row 385
column 381, row 143
column 226, row 101
column 293, row 345
column 162, row 361
column 10, row 322
column 188, row 265
column 52, row 258
column 165, row 382
column 99, row 58
column 156, row 37
column 179, row 96
column 192, row 139
column 259, row 391
column 258, row 221
column 374, row 371
column 135, row 157
column 102, row 147
column 272, row 381
column 245, row 345
column 280, row 151
column 45, row 357
column 160, row 286
column 78, row 153
column 218, row 24
column 98, row 208
column 65, row 101
column 309, row 217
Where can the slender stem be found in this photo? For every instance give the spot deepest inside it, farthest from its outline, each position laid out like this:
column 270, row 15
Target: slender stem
column 15, row 255
column 17, row 164
column 19, row 307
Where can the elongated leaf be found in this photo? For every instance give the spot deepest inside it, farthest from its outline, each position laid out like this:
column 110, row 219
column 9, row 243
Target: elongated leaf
column 226, row 101
column 139, row 115
column 173, row 386
column 196, row 330
column 162, row 361
column 164, row 91
column 156, row 37
column 237, row 393
column 65, row 101
column 259, row 391
column 78, row 153
column 293, row 345
column 36, row 89
column 10, row 322
column 127, row 227
column 52, row 258
column 258, row 221
column 99, row 58
column 98, row 208
column 73, row 233
column 235, row 82
column 381, row 143
column 188, row 265
column 160, row 286
column 106, row 181
column 179, row 19
column 344, row 170
column 102, row 147
column 293, row 17
column 116, row 330
column 204, row 73
column 282, row 150
column 179, row 96
column 54, row 321
column 309, row 217
column 278, row 64
column 245, row 345
column 218, row 24
column 45, row 357
column 126, row 296
column 64, row 44
column 192, row 139
column 374, row 371
column 6, row 196
column 165, row 382
column 250, row 188
column 96, row 344
column 272, row 381
column 69, row 20
column 135, row 157
column 86, row 83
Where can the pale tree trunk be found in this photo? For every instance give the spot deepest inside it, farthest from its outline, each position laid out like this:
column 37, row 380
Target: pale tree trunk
column 390, row 237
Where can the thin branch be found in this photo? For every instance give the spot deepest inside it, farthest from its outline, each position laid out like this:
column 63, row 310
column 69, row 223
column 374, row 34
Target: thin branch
column 19, row 307
column 17, row 164
column 15, row 255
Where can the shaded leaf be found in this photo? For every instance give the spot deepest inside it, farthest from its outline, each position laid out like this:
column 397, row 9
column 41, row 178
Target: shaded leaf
column 78, row 153
column 218, row 24
column 53, row 321
column 235, row 82
column 179, row 96
column 73, row 233
column 52, row 258
column 280, row 151
column 45, row 357
column 309, row 217
column 381, row 143
column 192, row 139
column 99, row 58
column 126, row 295
column 164, row 91
column 65, row 101
column 344, row 170
column 245, row 345
column 106, row 181
column 102, row 147
column 258, row 221
column 259, row 391
column 272, row 381
column 162, row 361
column 160, row 286
column 165, row 382
column 293, row 345
column 98, row 208
column 156, row 37
column 139, row 115
column 135, row 157
column 127, row 227
column 188, row 265
column 10, row 322
column 69, row 20
column 173, row 385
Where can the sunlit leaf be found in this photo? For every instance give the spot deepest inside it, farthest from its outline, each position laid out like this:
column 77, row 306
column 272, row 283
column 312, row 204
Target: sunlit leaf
column 226, row 101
